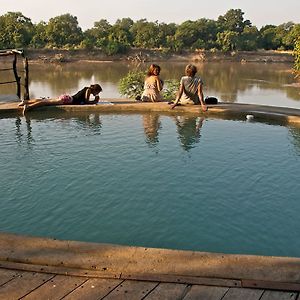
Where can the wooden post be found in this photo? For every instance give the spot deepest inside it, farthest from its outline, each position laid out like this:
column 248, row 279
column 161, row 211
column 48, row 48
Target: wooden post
column 26, row 79
column 17, row 76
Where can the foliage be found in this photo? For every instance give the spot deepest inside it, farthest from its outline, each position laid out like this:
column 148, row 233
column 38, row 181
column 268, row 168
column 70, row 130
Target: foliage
column 234, row 21
column 63, row 30
column 229, row 32
column 16, row 30
column 132, row 84
column 227, row 40
column 297, row 55
column 247, row 40
column 170, row 89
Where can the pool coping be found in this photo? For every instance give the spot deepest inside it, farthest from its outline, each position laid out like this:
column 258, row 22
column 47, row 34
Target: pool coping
column 75, row 258
column 264, row 113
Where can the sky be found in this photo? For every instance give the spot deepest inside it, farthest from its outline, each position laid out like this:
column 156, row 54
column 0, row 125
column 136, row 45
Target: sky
column 260, row 13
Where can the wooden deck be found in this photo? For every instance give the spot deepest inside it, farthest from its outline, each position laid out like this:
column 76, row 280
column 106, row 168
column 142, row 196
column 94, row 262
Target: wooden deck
column 34, row 285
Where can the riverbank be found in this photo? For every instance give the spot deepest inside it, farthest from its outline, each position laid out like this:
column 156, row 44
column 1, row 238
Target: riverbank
column 143, row 55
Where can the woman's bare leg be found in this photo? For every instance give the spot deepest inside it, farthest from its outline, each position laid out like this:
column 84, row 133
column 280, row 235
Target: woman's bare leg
column 39, row 103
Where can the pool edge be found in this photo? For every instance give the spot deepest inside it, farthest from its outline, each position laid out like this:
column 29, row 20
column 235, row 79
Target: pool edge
column 139, row 263
column 283, row 115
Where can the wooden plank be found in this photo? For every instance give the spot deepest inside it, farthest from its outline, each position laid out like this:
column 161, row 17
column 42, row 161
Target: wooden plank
column 7, row 275
column 271, row 285
column 243, row 293
column 277, row 295
column 167, row 291
column 131, row 290
column 206, row 292
column 22, row 285
column 94, row 289
column 56, row 288
column 183, row 279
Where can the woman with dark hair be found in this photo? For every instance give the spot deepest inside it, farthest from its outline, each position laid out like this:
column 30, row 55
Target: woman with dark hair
column 81, row 97
column 153, row 85
column 190, row 90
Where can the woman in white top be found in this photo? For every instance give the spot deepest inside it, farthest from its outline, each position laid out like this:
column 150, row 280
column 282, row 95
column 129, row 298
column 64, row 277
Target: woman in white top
column 190, row 90
column 153, row 85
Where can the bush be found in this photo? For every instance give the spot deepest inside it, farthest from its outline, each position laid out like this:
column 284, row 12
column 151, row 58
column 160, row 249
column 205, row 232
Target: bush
column 132, row 85
column 170, row 89
column 297, row 56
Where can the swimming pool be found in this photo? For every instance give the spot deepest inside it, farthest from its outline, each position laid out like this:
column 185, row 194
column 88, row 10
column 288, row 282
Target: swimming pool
column 150, row 180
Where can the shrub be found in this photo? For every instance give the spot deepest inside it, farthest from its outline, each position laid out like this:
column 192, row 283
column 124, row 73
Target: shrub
column 170, row 89
column 297, row 56
column 132, row 84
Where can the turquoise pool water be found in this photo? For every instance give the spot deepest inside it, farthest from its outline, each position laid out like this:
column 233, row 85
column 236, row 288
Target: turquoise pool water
column 155, row 181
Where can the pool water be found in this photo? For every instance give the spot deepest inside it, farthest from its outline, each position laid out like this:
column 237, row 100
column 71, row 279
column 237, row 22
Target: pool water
column 178, row 182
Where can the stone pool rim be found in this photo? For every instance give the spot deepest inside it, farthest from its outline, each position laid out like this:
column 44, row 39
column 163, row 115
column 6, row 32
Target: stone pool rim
column 47, row 255
column 238, row 111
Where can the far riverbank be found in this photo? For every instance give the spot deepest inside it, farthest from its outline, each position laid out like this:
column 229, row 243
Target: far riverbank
column 143, row 55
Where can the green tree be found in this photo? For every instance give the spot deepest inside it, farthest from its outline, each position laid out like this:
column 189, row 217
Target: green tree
column 227, row 40
column 165, row 32
column 39, row 39
column 187, row 34
column 64, row 31
column 16, row 30
column 207, row 32
column 291, row 37
column 248, row 39
column 146, row 34
column 233, row 20
column 119, row 34
column 268, row 38
column 98, row 35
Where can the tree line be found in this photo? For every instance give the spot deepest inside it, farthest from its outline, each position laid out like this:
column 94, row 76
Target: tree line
column 230, row 32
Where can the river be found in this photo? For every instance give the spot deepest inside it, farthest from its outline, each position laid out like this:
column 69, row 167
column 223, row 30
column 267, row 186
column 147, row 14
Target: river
column 257, row 83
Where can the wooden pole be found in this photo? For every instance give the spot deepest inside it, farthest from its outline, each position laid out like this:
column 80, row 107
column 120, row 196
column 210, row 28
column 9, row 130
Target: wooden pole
column 17, row 76
column 26, row 79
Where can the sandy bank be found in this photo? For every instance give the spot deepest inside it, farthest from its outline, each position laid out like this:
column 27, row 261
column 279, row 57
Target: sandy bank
column 143, row 55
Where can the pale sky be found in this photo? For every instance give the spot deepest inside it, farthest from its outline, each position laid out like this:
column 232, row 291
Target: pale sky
column 89, row 11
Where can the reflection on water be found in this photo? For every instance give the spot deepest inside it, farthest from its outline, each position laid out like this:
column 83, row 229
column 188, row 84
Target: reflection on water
column 151, row 124
column 85, row 123
column 188, row 129
column 295, row 134
column 259, row 83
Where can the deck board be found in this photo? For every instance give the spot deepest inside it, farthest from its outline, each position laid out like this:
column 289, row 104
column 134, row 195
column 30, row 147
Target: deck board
column 206, row 292
column 245, row 294
column 132, row 290
column 22, row 285
column 7, row 275
column 277, row 295
column 167, row 291
column 94, row 289
column 32, row 285
column 56, row 288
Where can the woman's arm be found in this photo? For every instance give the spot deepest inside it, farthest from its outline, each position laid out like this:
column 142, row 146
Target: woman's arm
column 87, row 97
column 159, row 83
